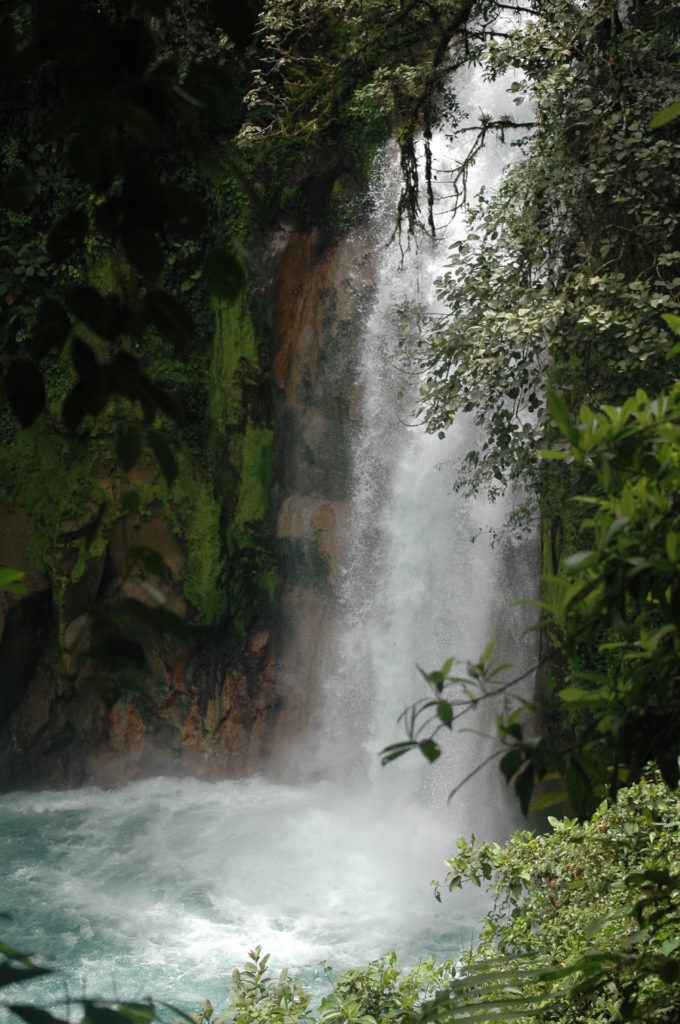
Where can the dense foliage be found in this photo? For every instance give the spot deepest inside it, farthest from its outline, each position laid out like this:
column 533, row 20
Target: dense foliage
column 564, row 271
column 584, row 926
column 123, row 203
column 612, row 614
column 560, row 286
column 561, row 279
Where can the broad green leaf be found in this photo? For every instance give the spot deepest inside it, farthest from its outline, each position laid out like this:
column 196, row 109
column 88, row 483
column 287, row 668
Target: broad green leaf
column 97, row 1013
column 9, row 974
column 560, row 413
column 34, row 1014
column 430, row 749
column 673, row 321
column 511, row 762
column 395, row 750
column 150, row 561
column 445, row 712
column 11, row 580
column 541, row 803
column 138, row 1013
column 666, row 115
column 524, row 787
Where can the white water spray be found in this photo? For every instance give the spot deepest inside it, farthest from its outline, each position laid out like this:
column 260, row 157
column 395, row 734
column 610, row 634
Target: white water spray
column 160, row 888
column 415, row 589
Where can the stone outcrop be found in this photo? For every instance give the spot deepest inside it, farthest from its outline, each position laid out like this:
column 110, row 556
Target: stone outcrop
column 217, row 701
column 317, row 316
column 199, row 707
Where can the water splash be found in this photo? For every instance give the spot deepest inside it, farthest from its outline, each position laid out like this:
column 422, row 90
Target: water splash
column 161, row 887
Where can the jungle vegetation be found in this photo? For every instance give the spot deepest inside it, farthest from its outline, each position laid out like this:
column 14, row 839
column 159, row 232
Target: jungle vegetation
column 561, row 306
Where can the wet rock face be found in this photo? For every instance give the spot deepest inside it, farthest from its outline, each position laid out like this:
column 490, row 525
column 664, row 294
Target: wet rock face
column 317, row 317
column 208, row 706
column 204, row 708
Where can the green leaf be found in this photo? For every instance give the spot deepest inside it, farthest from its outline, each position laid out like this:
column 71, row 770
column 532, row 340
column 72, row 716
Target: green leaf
column 96, row 1013
column 395, row 750
column 34, row 1014
column 52, row 329
column 140, row 123
column 510, row 763
column 76, row 405
column 580, row 559
column 579, row 696
column 11, row 581
column 130, row 501
column 560, row 413
column 673, row 321
column 84, row 361
column 9, row 974
column 541, row 803
column 445, row 713
column 138, row 1013
column 104, row 314
column 665, row 116
column 580, row 789
column 430, row 749
column 150, row 561
column 524, row 787
column 144, row 252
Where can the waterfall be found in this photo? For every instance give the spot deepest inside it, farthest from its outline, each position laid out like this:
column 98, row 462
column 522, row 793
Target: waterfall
column 161, row 887
column 422, row 577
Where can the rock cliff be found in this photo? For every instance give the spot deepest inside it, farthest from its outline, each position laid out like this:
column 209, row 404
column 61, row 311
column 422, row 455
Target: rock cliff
column 245, row 550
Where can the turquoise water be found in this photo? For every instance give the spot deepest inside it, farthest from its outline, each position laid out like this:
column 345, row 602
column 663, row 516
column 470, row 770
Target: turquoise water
column 160, row 888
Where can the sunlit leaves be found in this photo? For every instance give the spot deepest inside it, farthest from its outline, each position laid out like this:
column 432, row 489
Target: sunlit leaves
column 665, row 116
column 581, row 915
column 536, row 290
column 12, row 581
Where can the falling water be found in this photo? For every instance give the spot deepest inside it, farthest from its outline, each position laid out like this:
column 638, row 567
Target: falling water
column 428, row 574
column 161, row 887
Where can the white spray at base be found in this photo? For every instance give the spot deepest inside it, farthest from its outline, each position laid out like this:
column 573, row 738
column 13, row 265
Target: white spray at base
column 160, row 888
column 429, row 574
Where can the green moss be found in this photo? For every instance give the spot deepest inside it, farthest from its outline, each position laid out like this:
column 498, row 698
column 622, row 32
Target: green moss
column 234, row 363
column 55, row 480
column 257, row 470
column 252, row 574
column 198, row 512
